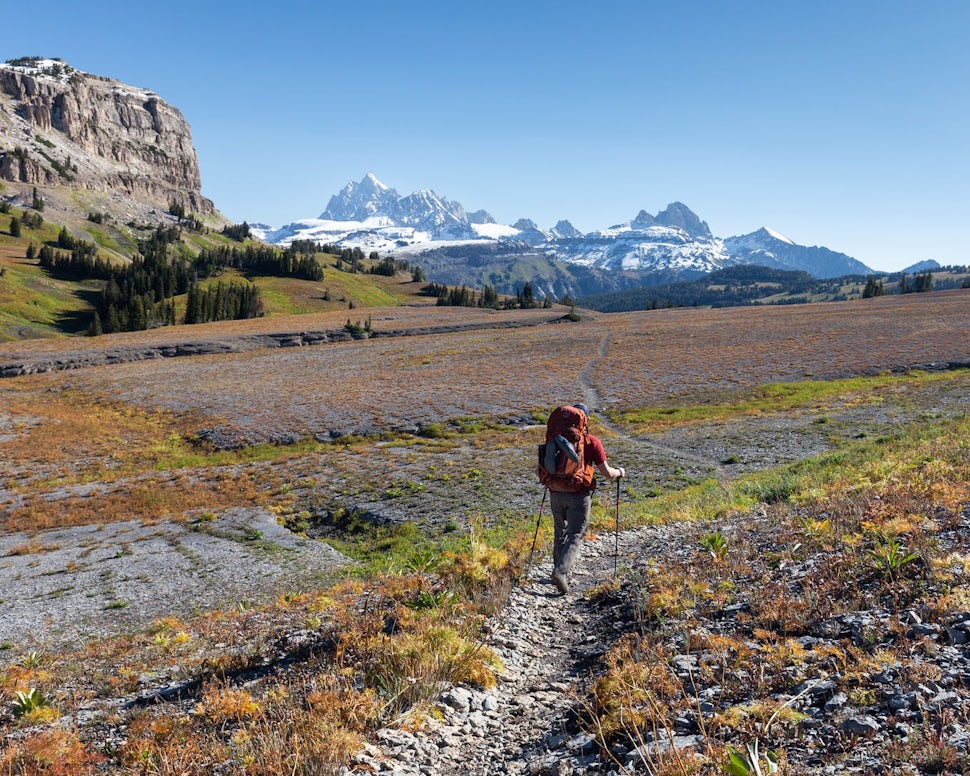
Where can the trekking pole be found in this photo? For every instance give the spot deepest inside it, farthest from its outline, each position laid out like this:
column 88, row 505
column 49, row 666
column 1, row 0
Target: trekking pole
column 616, row 533
column 535, row 538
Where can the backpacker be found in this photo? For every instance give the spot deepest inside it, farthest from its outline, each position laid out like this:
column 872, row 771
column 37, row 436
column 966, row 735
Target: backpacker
column 562, row 458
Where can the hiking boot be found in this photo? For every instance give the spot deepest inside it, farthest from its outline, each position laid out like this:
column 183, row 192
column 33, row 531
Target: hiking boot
column 559, row 580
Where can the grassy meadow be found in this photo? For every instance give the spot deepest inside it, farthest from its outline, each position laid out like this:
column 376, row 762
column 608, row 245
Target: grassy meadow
column 830, row 436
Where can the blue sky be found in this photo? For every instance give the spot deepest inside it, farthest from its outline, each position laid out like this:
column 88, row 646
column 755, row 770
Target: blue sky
column 843, row 124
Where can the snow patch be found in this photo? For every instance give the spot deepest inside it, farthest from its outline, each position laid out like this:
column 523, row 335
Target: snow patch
column 778, row 236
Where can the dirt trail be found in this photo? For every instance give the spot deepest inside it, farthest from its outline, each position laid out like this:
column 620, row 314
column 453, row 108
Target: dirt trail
column 549, row 645
column 593, row 400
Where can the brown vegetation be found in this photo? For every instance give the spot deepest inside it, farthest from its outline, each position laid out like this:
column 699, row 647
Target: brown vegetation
column 439, row 430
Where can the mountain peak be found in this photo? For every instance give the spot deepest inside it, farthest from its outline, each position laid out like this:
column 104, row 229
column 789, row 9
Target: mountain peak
column 565, row 229
column 679, row 215
column 922, row 266
column 767, row 232
column 359, row 201
column 371, row 182
column 643, row 220
column 481, row 217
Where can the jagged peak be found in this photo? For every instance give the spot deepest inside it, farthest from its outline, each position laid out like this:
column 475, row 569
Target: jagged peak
column 564, row 228
column 425, row 195
column 370, row 181
column 525, row 224
column 481, row 217
column 643, row 220
column 679, row 215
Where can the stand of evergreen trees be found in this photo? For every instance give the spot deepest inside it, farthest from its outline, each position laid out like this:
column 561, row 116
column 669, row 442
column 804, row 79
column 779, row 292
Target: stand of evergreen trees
column 81, row 262
column 462, row 296
column 259, row 260
column 921, row 282
column 387, row 266
column 223, row 302
column 455, row 296
column 141, row 295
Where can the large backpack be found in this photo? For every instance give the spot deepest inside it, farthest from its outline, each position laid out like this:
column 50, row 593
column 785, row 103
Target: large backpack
column 562, row 458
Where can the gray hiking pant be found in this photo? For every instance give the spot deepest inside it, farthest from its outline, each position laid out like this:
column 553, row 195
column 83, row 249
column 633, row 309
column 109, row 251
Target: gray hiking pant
column 570, row 519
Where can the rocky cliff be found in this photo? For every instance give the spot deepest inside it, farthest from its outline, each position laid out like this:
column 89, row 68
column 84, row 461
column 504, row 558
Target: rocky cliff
column 60, row 127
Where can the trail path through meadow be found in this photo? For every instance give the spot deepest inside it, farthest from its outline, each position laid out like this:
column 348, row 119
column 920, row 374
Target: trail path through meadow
column 549, row 644
column 593, row 400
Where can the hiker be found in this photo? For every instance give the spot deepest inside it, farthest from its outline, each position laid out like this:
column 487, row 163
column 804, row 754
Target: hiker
column 566, row 469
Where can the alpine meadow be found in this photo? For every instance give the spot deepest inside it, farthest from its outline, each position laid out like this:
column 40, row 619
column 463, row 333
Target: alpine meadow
column 271, row 508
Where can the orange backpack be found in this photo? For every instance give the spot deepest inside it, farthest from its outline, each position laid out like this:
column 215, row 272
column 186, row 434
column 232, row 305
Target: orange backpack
column 562, row 458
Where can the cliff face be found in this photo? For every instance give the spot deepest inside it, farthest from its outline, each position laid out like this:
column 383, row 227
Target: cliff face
column 62, row 127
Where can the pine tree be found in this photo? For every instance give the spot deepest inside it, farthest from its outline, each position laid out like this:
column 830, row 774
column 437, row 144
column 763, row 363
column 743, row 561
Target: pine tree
column 15, row 227
column 874, row 287
column 95, row 329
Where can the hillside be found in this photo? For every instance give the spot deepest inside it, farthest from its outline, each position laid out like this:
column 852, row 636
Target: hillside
column 753, row 284
column 39, row 302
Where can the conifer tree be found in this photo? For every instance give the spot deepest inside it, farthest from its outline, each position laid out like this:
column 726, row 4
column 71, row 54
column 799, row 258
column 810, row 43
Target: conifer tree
column 874, row 287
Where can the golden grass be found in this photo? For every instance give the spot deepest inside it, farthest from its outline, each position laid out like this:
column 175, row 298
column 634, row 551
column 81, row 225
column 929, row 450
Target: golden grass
column 67, row 427
column 371, row 636
column 151, row 500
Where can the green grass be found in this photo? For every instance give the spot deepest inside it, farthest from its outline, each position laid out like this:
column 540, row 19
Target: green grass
column 772, row 398
column 32, row 303
column 31, row 299
column 856, row 466
column 359, row 287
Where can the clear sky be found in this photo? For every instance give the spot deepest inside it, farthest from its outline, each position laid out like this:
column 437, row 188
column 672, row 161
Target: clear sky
column 843, row 123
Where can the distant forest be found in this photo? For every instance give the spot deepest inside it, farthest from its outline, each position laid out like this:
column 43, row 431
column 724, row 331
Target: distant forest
column 141, row 294
column 752, row 284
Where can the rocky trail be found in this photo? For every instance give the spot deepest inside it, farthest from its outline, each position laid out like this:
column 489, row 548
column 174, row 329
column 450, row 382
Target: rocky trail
column 548, row 644
column 536, row 722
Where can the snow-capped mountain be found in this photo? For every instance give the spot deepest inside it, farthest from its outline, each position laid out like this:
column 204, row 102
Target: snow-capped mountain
column 424, row 211
column 360, row 201
column 373, row 216
column 430, row 229
column 771, row 249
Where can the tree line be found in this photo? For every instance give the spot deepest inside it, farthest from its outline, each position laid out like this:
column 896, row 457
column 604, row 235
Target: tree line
column 750, row 284
column 462, row 296
column 258, row 260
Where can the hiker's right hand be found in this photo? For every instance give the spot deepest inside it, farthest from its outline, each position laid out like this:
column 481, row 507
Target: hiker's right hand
column 622, row 473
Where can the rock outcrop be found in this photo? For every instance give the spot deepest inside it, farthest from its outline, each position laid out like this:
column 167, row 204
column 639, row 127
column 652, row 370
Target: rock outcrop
column 62, row 127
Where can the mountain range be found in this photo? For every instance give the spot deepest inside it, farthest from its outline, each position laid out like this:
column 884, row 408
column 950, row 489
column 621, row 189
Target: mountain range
column 96, row 145
column 455, row 246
